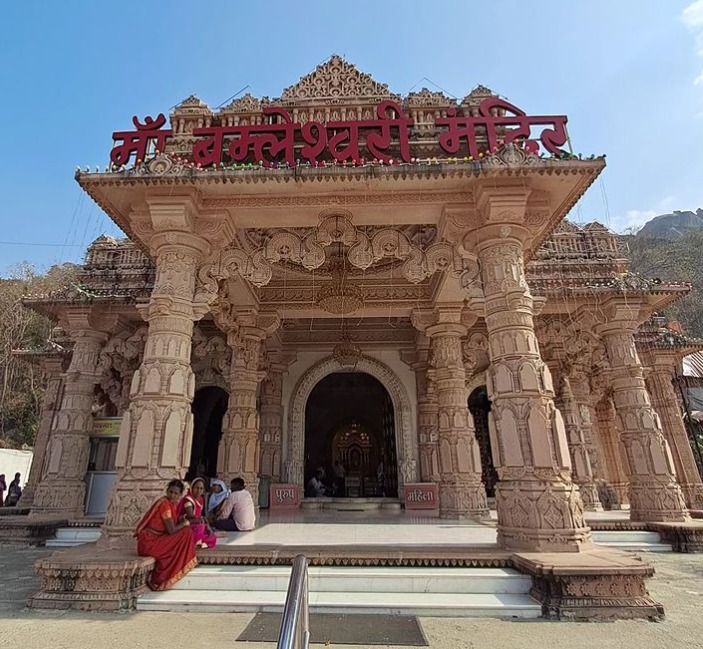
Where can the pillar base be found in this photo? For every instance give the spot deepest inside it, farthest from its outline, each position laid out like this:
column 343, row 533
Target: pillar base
column 540, row 516
column 463, row 501
column 599, row 585
column 589, row 496
column 658, row 503
column 90, row 579
column 693, row 494
column 59, row 499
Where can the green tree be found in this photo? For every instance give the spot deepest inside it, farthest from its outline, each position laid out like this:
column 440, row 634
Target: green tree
column 21, row 384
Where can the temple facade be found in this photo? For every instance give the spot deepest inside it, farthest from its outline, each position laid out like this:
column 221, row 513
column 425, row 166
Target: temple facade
column 287, row 298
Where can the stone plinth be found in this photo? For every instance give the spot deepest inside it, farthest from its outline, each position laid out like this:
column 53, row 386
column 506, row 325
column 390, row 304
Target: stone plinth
column 88, row 578
column 597, row 585
column 684, row 537
column 22, row 529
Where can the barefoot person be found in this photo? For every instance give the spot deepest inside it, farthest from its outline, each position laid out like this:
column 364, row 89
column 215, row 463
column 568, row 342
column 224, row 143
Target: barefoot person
column 160, row 535
column 192, row 507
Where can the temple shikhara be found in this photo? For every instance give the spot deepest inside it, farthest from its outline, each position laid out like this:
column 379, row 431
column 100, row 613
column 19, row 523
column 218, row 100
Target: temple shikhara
column 345, row 274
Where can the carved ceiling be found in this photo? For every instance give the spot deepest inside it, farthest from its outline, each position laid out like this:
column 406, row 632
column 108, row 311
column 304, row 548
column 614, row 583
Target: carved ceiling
column 253, row 239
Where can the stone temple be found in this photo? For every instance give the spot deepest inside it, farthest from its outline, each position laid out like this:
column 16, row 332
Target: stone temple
column 346, row 274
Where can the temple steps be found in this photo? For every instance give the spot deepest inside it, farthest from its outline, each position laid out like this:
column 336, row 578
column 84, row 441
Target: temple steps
column 452, row 592
column 67, row 537
column 635, row 540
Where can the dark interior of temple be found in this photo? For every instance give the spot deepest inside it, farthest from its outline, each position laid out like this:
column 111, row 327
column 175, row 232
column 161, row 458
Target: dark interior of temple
column 349, row 418
column 480, row 406
column 209, row 408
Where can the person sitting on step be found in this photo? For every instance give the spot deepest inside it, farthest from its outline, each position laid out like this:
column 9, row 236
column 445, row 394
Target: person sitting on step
column 237, row 513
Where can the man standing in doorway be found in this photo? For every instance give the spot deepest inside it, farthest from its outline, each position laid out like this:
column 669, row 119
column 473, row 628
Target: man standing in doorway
column 238, row 513
column 339, row 475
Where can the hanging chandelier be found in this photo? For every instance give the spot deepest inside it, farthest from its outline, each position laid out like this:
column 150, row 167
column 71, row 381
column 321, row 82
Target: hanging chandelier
column 346, row 352
column 340, row 296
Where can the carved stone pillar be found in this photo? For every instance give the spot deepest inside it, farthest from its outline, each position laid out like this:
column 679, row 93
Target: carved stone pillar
column 653, row 491
column 539, row 507
column 578, row 434
column 461, row 490
column 666, row 404
column 156, row 431
column 61, row 491
column 52, row 367
column 427, row 412
column 272, row 416
column 609, row 436
column 239, row 451
column 584, row 403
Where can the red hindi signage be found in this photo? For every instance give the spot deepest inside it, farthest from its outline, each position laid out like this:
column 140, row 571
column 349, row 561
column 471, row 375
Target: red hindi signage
column 284, row 496
column 386, row 139
column 421, row 495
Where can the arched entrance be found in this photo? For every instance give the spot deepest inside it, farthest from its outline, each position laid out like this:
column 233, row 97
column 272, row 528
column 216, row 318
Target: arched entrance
column 479, row 406
column 405, row 434
column 209, row 408
column 349, row 420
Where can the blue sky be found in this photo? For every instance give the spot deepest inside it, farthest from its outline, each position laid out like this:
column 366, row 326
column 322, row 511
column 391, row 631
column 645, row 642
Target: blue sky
column 628, row 73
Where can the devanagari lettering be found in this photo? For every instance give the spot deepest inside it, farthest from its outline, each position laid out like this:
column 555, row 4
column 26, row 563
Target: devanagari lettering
column 378, row 143
column 137, row 142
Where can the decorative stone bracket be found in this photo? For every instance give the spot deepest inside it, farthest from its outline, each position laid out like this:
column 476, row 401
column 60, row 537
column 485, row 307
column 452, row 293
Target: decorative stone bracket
column 363, row 252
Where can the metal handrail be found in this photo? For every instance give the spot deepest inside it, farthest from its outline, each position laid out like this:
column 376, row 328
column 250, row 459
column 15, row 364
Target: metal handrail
column 295, row 627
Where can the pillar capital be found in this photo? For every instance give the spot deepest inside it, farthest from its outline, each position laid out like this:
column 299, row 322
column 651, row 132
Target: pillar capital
column 449, row 318
column 88, row 321
column 619, row 314
column 504, row 204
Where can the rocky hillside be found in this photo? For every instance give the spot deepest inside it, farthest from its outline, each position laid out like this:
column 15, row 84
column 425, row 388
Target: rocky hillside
column 672, row 226
column 678, row 259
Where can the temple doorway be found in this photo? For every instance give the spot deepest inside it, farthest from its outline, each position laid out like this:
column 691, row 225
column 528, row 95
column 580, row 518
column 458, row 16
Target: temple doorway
column 209, row 408
column 479, row 406
column 350, row 420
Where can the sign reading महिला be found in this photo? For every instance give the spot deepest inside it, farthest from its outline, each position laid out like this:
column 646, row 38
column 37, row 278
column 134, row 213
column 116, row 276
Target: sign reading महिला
column 285, row 143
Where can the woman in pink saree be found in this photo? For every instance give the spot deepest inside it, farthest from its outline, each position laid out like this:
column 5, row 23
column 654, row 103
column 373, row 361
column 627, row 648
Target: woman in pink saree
column 191, row 508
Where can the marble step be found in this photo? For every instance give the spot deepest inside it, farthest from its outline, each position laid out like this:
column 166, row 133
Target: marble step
column 71, row 536
column 358, row 579
column 461, row 592
column 638, row 540
column 422, row 604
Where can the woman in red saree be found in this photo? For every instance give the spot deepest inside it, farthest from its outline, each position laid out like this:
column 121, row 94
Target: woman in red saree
column 191, row 509
column 160, row 535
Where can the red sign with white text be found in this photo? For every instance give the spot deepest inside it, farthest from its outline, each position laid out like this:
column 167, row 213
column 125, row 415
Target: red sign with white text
column 284, row 496
column 421, row 495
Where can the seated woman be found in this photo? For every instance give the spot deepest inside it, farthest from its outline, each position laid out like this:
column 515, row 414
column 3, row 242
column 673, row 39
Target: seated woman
column 171, row 543
column 191, row 508
column 218, row 495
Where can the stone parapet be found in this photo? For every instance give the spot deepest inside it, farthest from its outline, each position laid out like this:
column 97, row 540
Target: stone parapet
column 14, row 511
column 88, row 578
column 684, row 537
column 597, row 585
column 25, row 530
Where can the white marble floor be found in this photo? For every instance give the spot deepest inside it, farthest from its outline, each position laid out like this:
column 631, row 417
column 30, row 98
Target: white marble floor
column 324, row 528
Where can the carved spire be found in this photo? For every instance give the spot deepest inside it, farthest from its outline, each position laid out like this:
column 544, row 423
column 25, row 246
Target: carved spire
column 334, row 79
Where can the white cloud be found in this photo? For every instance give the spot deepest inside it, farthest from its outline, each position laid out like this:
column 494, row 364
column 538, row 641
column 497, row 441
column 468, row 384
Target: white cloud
column 692, row 17
column 636, row 218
